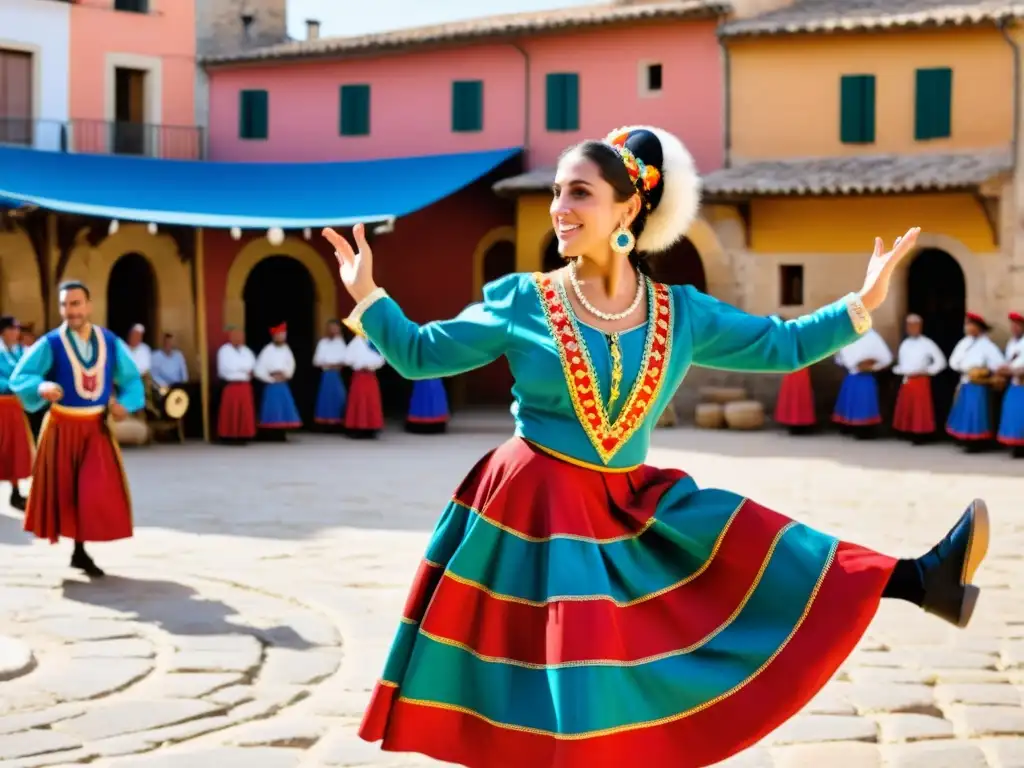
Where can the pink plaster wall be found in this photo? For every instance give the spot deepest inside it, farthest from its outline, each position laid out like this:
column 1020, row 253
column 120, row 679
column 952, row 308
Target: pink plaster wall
column 411, row 97
column 167, row 32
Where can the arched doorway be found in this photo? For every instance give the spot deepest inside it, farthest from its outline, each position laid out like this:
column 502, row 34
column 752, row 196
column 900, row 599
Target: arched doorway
column 132, row 297
column 937, row 291
column 552, row 258
column 279, row 289
column 491, row 384
column 680, row 265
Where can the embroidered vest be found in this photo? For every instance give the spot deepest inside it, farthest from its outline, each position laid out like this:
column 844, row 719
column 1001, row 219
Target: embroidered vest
column 86, row 383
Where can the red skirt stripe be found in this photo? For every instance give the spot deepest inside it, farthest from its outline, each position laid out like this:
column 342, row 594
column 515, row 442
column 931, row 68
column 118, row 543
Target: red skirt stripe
column 79, row 488
column 692, row 739
column 17, row 448
column 236, row 419
column 364, row 410
column 915, row 412
column 795, row 405
column 684, row 617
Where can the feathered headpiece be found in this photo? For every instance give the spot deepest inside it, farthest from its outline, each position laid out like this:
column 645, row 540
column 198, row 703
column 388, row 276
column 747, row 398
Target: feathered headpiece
column 664, row 173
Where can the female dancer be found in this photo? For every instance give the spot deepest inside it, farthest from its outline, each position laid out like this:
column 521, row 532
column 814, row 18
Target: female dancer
column 575, row 606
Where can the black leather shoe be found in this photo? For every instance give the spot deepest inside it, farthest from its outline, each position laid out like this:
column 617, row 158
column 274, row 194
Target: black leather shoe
column 949, row 567
column 18, row 502
column 83, row 562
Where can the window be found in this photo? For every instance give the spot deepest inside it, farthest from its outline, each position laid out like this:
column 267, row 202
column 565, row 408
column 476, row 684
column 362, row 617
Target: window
column 651, row 78
column 467, row 106
column 253, row 116
column 355, row 110
column 791, row 285
column 933, row 104
column 15, row 97
column 857, row 109
column 135, row 6
column 563, row 92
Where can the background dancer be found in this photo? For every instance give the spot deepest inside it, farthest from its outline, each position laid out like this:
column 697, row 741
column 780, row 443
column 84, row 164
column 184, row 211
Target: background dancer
column 79, row 488
column 330, row 356
column 918, row 360
column 364, row 414
column 857, row 408
column 17, row 446
column 794, row 408
column 428, row 408
column 718, row 618
column 1011, row 422
column 275, row 367
column 975, row 357
column 236, row 417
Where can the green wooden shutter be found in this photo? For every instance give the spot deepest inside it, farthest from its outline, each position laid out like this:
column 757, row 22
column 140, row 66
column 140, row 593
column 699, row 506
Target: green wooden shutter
column 857, row 109
column 253, row 115
column 572, row 103
column 555, row 98
column 563, row 102
column 467, row 105
column 355, row 110
column 933, row 103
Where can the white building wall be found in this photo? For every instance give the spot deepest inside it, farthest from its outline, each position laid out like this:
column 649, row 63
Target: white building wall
column 42, row 28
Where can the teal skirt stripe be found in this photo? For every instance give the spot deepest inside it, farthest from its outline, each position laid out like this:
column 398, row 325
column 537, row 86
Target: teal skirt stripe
column 577, row 700
column 401, row 652
column 672, row 550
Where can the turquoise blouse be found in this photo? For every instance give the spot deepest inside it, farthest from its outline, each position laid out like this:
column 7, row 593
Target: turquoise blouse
column 9, row 357
column 555, row 357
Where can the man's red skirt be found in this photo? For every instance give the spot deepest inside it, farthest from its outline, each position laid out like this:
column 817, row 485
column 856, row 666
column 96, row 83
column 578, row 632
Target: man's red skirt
column 364, row 411
column 795, row 406
column 16, row 444
column 915, row 413
column 79, row 488
column 237, row 417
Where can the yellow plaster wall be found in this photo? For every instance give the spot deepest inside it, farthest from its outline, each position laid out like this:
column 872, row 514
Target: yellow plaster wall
column 784, row 91
column 20, row 285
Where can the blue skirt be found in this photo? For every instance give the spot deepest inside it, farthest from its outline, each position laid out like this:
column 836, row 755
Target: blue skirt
column 429, row 403
column 278, row 411
column 330, row 400
column 1011, row 425
column 857, row 405
column 970, row 417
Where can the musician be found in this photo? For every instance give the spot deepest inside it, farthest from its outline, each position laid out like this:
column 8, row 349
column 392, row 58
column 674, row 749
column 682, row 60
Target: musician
column 140, row 351
column 975, row 357
column 918, row 360
column 364, row 414
column 329, row 357
column 79, row 488
column 17, row 447
column 1011, row 424
column 275, row 366
column 168, row 364
column 856, row 408
column 236, row 419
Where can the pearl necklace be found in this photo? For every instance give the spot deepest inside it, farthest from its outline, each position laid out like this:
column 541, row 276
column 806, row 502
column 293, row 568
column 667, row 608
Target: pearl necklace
column 607, row 316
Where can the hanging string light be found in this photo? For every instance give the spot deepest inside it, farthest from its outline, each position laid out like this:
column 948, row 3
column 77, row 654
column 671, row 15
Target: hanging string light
column 236, row 233
column 275, row 235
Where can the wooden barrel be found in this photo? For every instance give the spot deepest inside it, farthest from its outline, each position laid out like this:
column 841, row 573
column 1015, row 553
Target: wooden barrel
column 131, row 431
column 709, row 416
column 669, row 417
column 722, row 394
column 744, row 414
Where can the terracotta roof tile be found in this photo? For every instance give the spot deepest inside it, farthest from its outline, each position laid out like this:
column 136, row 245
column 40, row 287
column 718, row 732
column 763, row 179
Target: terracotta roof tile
column 806, row 16
column 508, row 25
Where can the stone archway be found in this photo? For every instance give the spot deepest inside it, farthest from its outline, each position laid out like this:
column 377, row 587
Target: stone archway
column 175, row 312
column 491, row 239
column 969, row 263
column 132, row 297
column 718, row 274
column 20, row 284
column 326, row 294
column 551, row 259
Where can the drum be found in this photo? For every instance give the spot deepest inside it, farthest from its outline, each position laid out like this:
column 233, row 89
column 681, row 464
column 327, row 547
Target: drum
column 130, row 431
column 980, row 376
column 171, row 403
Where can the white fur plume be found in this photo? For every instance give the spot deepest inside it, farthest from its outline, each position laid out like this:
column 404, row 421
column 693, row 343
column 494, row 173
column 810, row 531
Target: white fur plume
column 680, row 199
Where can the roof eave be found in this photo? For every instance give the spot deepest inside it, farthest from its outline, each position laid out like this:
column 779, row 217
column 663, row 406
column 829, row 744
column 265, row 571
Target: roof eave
column 833, row 26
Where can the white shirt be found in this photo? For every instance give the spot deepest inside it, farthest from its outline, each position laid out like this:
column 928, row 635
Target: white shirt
column 975, row 352
column 917, row 355
column 361, row 358
column 330, row 352
column 870, row 346
column 235, row 363
column 1015, row 352
column 274, row 359
column 168, row 369
column 142, row 355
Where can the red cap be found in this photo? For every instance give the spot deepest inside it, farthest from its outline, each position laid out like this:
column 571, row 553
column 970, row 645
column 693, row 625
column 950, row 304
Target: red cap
column 974, row 317
column 1016, row 317
column 282, row 328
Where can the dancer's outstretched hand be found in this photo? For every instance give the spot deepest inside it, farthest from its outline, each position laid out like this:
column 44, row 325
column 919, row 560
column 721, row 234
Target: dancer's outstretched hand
column 881, row 266
column 354, row 267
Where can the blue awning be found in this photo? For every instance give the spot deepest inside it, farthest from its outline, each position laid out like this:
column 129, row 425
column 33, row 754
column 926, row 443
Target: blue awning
column 247, row 195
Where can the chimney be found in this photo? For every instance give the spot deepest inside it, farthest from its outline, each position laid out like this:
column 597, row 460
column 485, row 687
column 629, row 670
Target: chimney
column 312, row 29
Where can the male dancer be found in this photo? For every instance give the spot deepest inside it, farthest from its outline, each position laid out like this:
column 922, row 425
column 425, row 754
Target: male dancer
column 918, row 360
column 330, row 356
column 236, row 419
column 275, row 367
column 16, row 444
column 79, row 487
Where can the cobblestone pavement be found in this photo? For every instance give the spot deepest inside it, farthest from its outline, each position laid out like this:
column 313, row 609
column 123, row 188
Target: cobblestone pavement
column 247, row 620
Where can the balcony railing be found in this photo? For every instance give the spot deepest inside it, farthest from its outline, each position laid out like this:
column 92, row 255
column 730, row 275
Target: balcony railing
column 105, row 137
